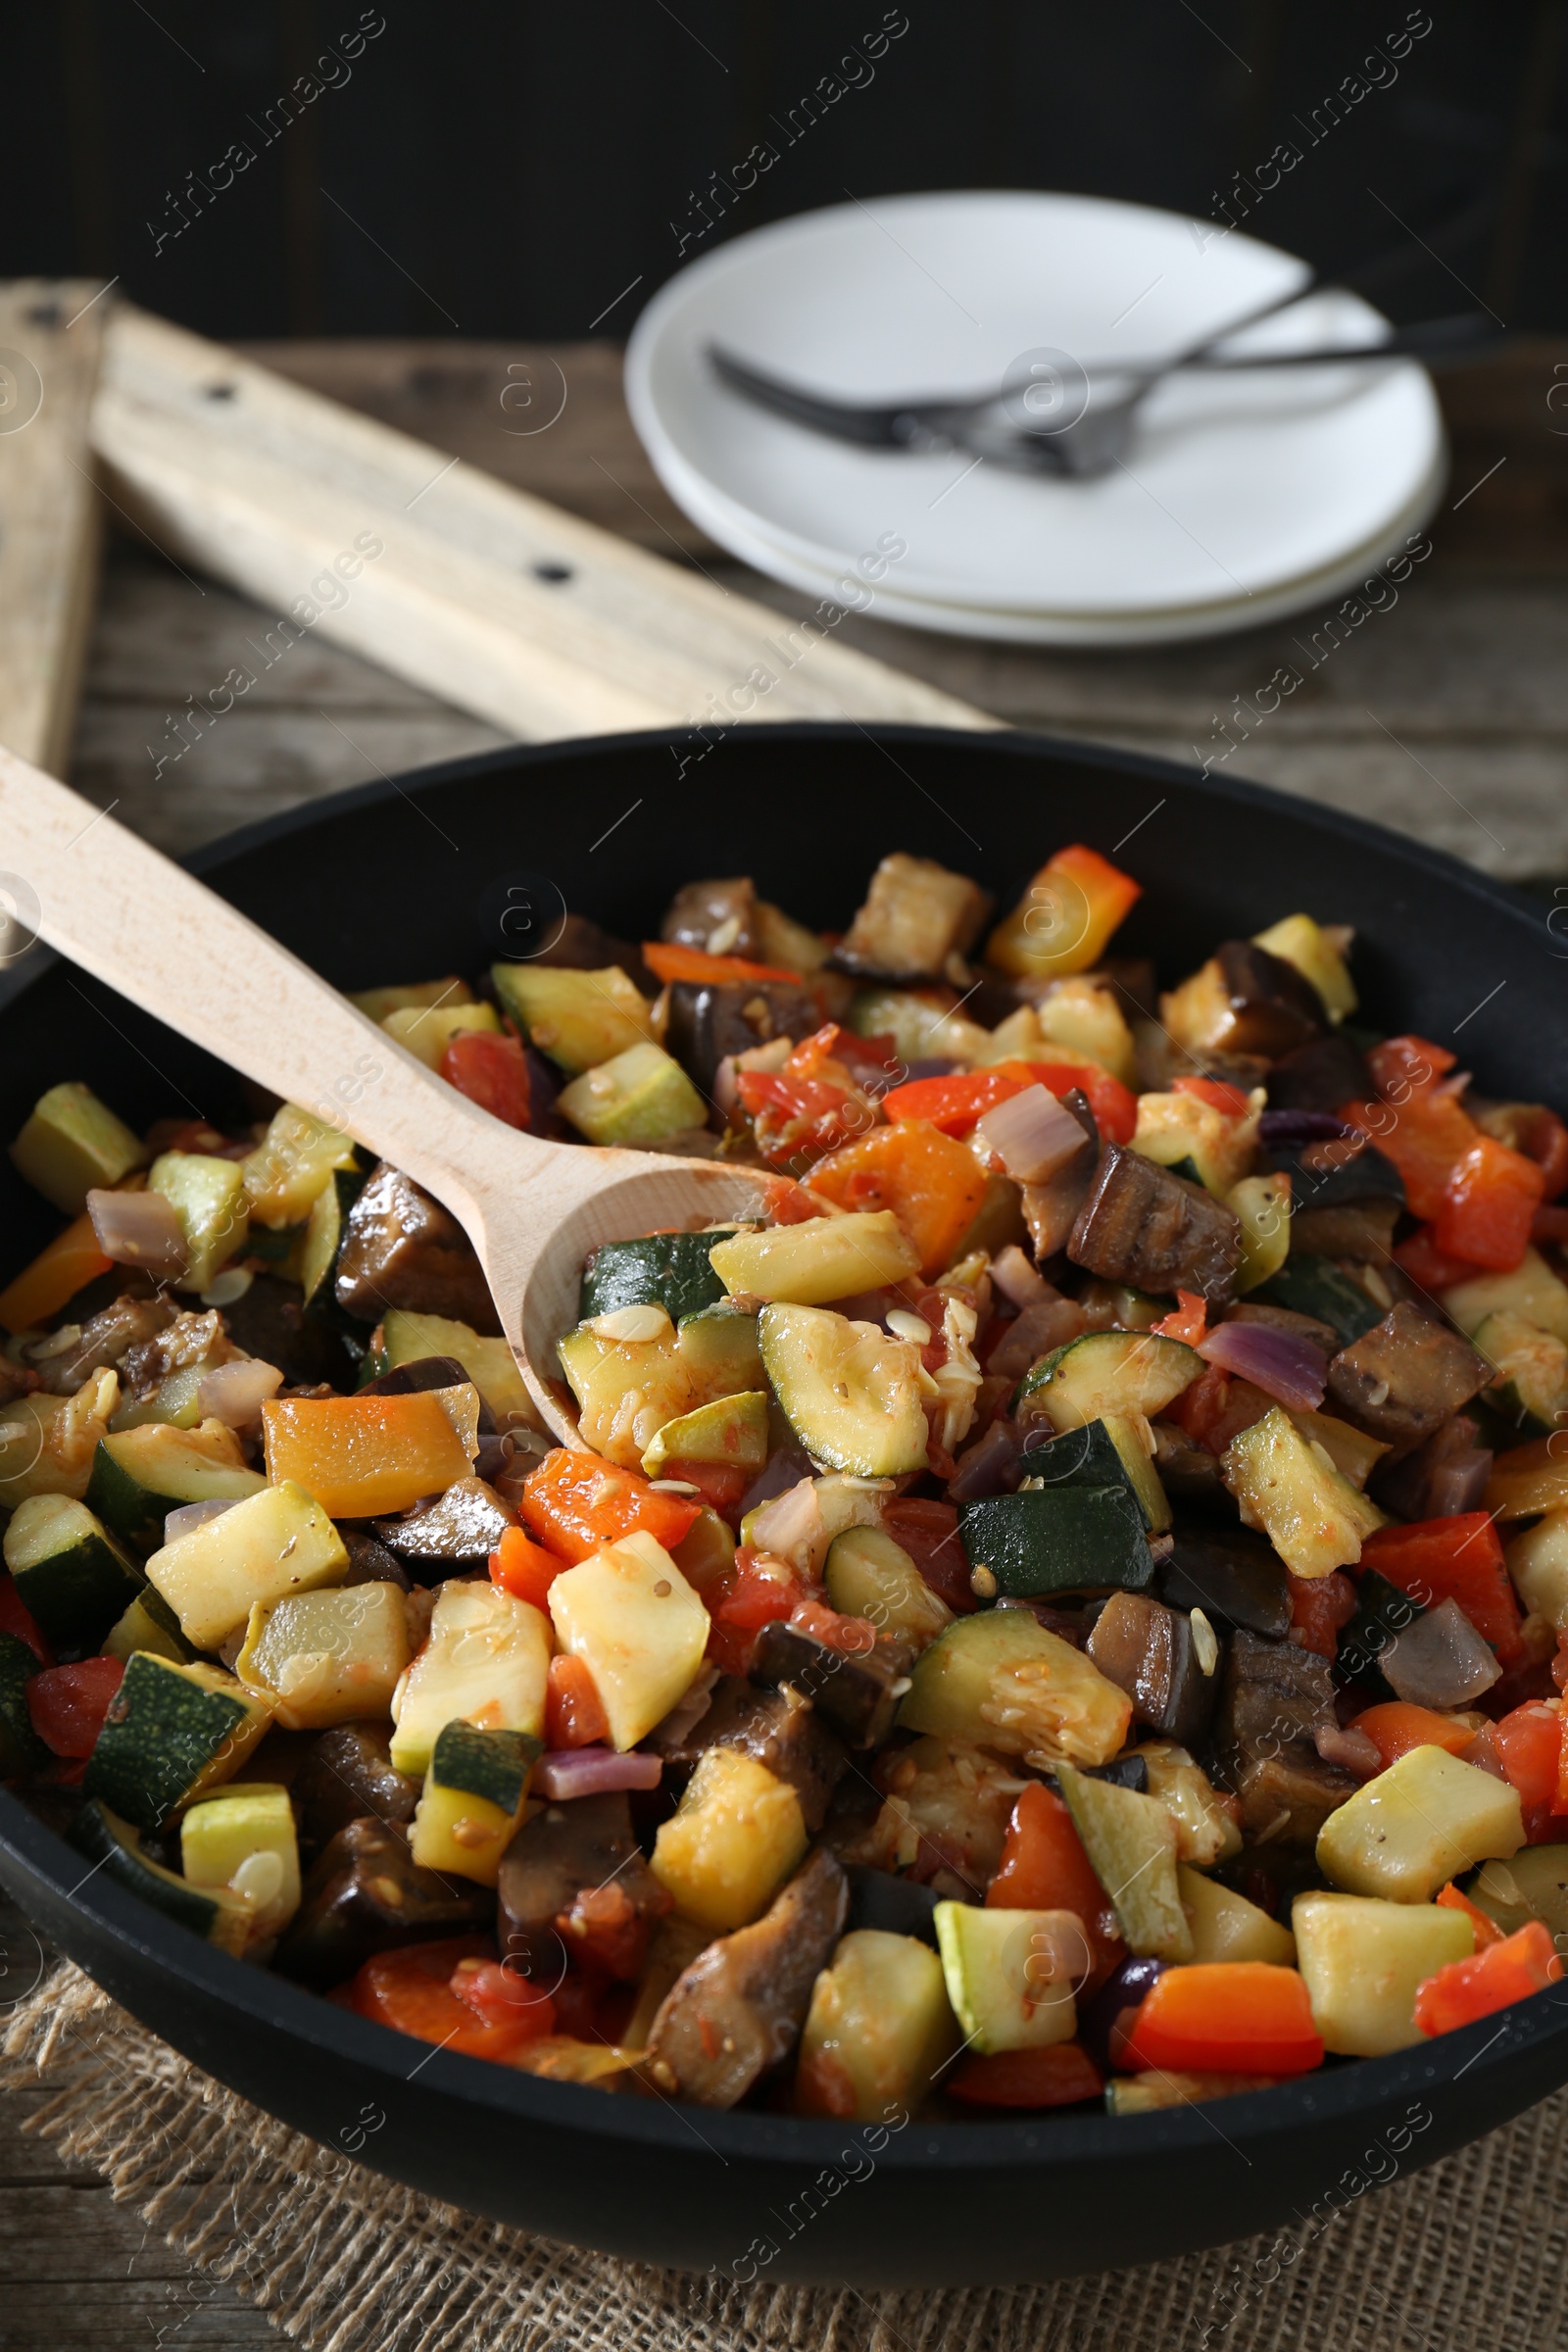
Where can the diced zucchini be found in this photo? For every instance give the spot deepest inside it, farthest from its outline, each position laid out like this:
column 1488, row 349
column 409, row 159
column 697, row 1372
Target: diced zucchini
column 473, row 1801
column 276, row 1541
column 1107, row 1452
column 706, row 1550
column 732, row 1432
column 1225, row 1926
column 20, row 1748
column 176, row 1400
column 69, row 1571
column 1538, row 1562
column 48, row 1445
column 671, row 1270
column 799, row 1526
column 291, row 1166
column 1262, row 1203
column 1000, row 1678
column 327, row 1657
column 577, row 1018
column 868, row 1575
column 171, row 1732
column 1206, row 1831
column 140, row 1475
column 71, row 1144
column 1532, row 1884
column 1011, row 1976
column 245, row 1842
column 1065, row 1538
column 1353, row 1453
column 428, row 1029
column 1081, row 1015
column 735, row 1838
column 209, row 1200
column 1131, row 1843
column 1298, row 940
column 1310, row 1285
column 1108, row 1372
column 489, row 1362
column 376, row 1003
column 486, row 1661
column 112, row 1845
column 638, row 1627
column 639, row 1097
column 879, row 2027
column 1205, row 1144
column 1532, row 1367
column 851, row 1393
column 1420, row 1823
column 148, row 1624
column 821, row 1259
column 626, row 1390
column 1362, row 1961
column 919, row 1022
column 1288, row 1486
column 326, row 1231
column 1530, row 1290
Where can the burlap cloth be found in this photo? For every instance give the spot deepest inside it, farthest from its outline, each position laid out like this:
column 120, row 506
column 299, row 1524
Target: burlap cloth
column 1468, row 2253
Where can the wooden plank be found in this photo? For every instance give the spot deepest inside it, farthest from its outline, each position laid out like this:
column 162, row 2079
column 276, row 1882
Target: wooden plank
column 51, row 333
column 515, row 610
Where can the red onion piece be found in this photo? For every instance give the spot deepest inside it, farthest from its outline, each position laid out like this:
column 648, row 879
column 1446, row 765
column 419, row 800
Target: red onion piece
column 1289, row 1129
column 235, row 1394
column 991, row 1467
column 140, row 1229
column 567, row 1772
column 1284, row 1366
column 189, row 1515
column 1015, row 1275
column 1351, row 1750
column 1031, row 1134
column 1440, row 1660
column 781, row 1470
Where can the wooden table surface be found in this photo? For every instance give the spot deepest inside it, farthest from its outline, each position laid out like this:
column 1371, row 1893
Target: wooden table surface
column 1444, row 712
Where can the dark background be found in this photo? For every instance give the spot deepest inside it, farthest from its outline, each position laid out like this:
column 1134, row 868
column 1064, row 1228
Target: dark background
column 513, row 167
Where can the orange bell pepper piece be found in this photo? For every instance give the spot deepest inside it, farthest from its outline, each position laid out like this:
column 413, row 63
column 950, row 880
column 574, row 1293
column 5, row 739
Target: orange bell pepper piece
column 1489, row 1205
column 1403, row 1067
column 575, row 1504
column 523, row 1568
column 55, row 1275
column 956, row 1101
column 1064, row 919
column 1394, row 1726
column 933, row 1184
column 1459, row 1559
column 1245, row 2017
column 669, row 962
column 1058, row 2076
column 1495, row 1978
column 361, row 1456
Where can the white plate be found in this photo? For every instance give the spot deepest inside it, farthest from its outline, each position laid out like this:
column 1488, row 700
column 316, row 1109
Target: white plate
column 1236, row 489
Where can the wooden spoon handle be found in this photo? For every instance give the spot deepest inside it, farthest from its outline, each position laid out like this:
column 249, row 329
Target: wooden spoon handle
column 168, row 944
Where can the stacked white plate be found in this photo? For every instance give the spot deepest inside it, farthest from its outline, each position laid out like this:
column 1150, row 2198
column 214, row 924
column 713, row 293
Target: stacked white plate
column 1243, row 497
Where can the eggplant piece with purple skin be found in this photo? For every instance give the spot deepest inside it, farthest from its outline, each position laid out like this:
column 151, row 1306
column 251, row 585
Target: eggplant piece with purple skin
column 584, row 945
column 1149, row 1652
column 1043, row 1326
column 917, row 917
column 880, row 1899
column 365, row 1894
column 1444, row 1478
column 1115, row 2007
column 348, row 1776
column 1402, row 1379
column 1286, row 1799
column 1236, row 1578
column 560, row 1853
column 1273, row 1697
column 1142, row 1225
column 454, row 1530
column 711, row 1020
column 699, row 909
column 1320, row 1075
column 402, row 1248
column 1051, row 1210
column 370, row 1563
column 856, row 1692
column 780, row 1730
column 1273, row 1009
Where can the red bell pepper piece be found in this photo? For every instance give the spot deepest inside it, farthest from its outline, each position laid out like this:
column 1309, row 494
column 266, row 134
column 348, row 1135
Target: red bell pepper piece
column 1114, row 1105
column 1189, row 1322
column 523, row 1568
column 1397, row 1725
column 1243, row 2017
column 1320, row 1605
column 1403, row 1067
column 491, row 1070
column 1045, row 1867
column 739, row 1602
column 575, row 1712
column 15, row 1618
column 1058, row 2076
column 1495, row 1978
column 929, row 1533
column 1430, row 1268
column 576, row 1503
column 1454, row 1898
column 1217, row 1092
column 1547, row 1141
column 669, row 962
column 1217, row 1407
column 1488, row 1205
column 412, row 1990
column 1528, row 1743
column 67, row 1703
column 956, row 1101
column 1454, row 1559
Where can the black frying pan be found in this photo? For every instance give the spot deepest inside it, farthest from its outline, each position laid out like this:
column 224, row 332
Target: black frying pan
column 443, row 873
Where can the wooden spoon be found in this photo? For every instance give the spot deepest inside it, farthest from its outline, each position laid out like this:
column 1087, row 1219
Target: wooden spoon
column 165, row 942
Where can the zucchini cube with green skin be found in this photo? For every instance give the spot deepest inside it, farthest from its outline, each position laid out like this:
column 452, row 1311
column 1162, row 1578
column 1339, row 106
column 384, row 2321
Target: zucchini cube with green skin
column 732, row 1432
column 292, row 1165
column 473, row 1801
column 879, row 2027
column 171, row 1733
column 851, row 1393
column 176, row 1400
column 209, row 1200
column 671, row 1270
column 20, row 1748
column 641, row 1096
column 637, row 1626
column 140, row 1475
column 1262, row 1203
column 735, row 1838
column 428, row 1029
column 326, row 1229
column 73, row 1144
column 1131, row 1843
column 1298, row 940
column 486, row 1660
column 1532, row 1367
column 148, row 1624
column 1362, row 1961
column 820, row 1259
column 577, row 1018
column 274, row 1542
column 1065, row 1539
column 1225, row 1926
column 70, row 1573
column 1107, row 1452
column 327, row 1657
column 1288, row 1486
column 1310, row 1285
column 244, row 1841
column 868, row 1575
column 112, row 1845
column 1534, row 1884
column 376, row 1003
column 1106, row 1372
column 1538, row 1562
column 488, row 1362
column 1001, row 1680
column 1425, row 1820
column 1012, row 1975
column 626, row 1390
column 1530, row 1290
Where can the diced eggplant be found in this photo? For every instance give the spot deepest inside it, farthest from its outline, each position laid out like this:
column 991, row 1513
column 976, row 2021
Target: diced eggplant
column 737, row 2011
column 1051, row 1209
column 916, row 919
column 1143, row 1225
column 403, row 1249
column 1310, row 1285
column 1273, row 1698
column 992, row 1466
column 1148, row 1651
column 895, row 1906
column 780, row 1728
column 583, row 946
column 365, row 1894
column 1383, row 1612
column 1190, row 1475
column 1286, row 1799
column 1044, row 1325
column 1442, row 1478
column 1320, row 1075
column 269, row 1320
column 370, row 1563
column 1286, row 1318
column 106, row 1338
column 1341, row 1169
column 709, row 1020
column 1233, row 1575
column 423, row 1372
column 348, row 1776
column 1273, row 1007
column 1401, row 1380
column 856, row 1692
column 565, row 1853
column 450, row 1533
column 1104, row 2018
column 1362, row 1229
column 719, row 917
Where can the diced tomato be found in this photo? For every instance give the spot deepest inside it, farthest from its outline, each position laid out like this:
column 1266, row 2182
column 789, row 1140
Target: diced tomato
column 1045, row 1867
column 739, row 1602
column 1529, row 1744
column 1394, row 1726
column 1426, row 1137
column 1217, row 1092
column 1320, row 1605
column 1189, row 1322
column 956, row 1102
column 501, row 1996
column 1430, row 1268
column 669, row 961
column 576, row 1503
column 575, row 1712
column 1403, row 1066
column 1217, row 1407
column 850, row 1637
column 932, row 1184
column 1487, row 1205
column 490, row 1070
column 1056, row 2077
column 1545, row 1138
column 1245, row 2017
column 929, row 1533
column 523, row 1568
column 720, row 1487
column 411, row 1990
column 1460, row 1559
column 67, row 1703
column 1454, row 1898
column 15, row 1618
column 1506, row 1972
